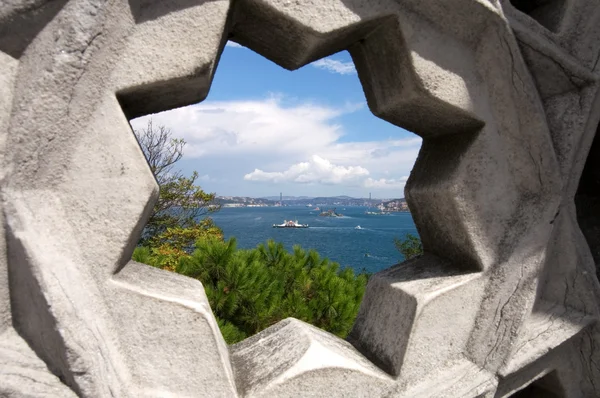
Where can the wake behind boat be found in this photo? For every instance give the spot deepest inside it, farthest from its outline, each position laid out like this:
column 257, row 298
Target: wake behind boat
column 290, row 224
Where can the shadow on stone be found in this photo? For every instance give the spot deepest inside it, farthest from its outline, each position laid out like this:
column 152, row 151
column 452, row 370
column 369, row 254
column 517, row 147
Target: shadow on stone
column 148, row 10
column 157, row 97
column 587, row 200
column 546, row 387
column 28, row 21
column 548, row 13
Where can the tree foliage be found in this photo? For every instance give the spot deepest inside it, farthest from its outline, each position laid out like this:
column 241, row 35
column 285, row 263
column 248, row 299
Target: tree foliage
column 409, row 247
column 181, row 202
column 250, row 290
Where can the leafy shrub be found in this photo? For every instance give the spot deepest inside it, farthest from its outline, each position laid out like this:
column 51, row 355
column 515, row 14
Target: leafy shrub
column 409, row 247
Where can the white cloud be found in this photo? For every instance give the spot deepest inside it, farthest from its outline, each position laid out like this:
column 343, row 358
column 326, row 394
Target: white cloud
column 317, row 170
column 335, row 66
column 233, row 44
column 386, row 183
column 276, row 141
column 263, row 127
column 205, row 178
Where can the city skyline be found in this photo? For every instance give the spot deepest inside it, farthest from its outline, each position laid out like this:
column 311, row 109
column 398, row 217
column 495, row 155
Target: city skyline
column 307, row 197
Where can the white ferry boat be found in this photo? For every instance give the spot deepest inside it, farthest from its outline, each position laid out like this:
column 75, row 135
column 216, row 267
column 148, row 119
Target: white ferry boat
column 290, row 224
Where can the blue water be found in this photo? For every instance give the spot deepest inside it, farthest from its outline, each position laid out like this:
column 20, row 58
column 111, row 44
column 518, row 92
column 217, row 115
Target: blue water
column 371, row 248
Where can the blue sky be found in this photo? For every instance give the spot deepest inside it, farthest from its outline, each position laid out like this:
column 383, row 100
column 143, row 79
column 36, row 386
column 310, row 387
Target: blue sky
column 264, row 130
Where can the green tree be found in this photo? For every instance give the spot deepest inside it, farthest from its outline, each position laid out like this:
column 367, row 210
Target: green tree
column 409, row 247
column 181, row 202
column 250, row 290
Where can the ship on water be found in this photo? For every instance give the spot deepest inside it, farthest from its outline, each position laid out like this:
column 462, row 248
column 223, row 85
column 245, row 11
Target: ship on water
column 290, row 224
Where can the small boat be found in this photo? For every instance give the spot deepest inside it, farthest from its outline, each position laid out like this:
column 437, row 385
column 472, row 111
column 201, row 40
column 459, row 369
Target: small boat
column 317, row 208
column 290, row 224
column 358, row 227
column 309, row 205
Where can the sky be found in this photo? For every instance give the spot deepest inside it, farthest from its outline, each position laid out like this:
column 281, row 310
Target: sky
column 263, row 130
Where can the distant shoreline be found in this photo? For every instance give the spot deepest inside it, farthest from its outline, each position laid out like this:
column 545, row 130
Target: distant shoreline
column 379, row 211
column 383, row 205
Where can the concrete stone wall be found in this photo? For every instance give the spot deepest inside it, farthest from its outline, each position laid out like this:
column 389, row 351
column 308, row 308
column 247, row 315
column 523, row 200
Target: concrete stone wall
column 506, row 97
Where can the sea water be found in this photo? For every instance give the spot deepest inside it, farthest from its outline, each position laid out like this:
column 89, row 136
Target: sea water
column 370, row 248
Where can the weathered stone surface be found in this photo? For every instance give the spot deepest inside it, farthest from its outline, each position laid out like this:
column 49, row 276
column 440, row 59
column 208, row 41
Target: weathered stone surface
column 76, row 193
column 9, row 67
column 506, row 96
column 412, row 299
column 294, row 359
column 199, row 353
column 23, row 374
column 460, row 378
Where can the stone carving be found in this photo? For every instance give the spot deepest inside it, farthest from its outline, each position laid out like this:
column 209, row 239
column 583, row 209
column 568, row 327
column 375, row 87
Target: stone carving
column 506, row 97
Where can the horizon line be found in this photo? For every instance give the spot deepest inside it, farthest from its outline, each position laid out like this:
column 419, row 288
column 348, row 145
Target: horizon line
column 307, row 197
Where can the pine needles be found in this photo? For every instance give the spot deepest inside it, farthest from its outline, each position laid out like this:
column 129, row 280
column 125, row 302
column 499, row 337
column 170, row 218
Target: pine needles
column 250, row 290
